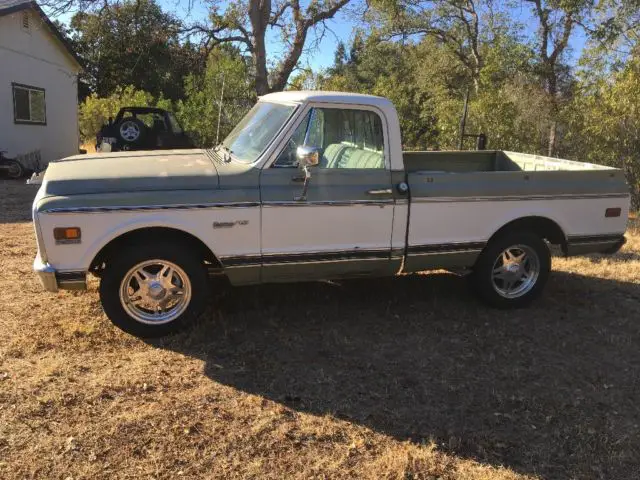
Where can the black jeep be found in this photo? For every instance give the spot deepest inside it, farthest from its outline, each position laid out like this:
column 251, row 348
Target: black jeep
column 142, row 128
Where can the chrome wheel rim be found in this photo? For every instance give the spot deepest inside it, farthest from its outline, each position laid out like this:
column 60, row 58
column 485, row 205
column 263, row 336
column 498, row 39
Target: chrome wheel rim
column 515, row 271
column 155, row 292
column 130, row 131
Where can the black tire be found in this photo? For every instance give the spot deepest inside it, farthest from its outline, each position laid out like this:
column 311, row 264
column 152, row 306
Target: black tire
column 129, row 125
column 488, row 289
column 117, row 269
column 15, row 169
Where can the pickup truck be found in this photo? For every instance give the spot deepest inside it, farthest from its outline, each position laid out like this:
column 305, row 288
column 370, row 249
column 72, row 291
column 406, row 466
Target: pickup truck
column 311, row 186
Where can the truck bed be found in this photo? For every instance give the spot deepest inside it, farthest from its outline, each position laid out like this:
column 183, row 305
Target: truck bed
column 488, row 161
column 500, row 173
column 460, row 199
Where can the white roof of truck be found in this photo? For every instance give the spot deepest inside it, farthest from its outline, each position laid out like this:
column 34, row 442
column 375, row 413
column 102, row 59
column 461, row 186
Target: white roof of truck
column 300, row 96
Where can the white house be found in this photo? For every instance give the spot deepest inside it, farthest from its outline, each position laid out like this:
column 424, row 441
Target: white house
column 38, row 84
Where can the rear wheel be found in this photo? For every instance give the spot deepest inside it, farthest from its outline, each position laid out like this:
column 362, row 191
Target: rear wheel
column 512, row 270
column 131, row 131
column 154, row 290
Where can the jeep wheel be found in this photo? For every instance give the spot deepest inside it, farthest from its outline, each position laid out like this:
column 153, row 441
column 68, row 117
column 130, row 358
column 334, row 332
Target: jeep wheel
column 131, row 131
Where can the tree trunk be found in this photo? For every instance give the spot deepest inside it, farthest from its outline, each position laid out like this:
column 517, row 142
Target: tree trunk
column 552, row 138
column 259, row 12
column 552, row 90
column 260, row 64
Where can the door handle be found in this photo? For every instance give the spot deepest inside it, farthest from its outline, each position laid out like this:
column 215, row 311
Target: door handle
column 381, row 191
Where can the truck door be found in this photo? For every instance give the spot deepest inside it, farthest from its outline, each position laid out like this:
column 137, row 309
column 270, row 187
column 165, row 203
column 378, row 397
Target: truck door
column 343, row 225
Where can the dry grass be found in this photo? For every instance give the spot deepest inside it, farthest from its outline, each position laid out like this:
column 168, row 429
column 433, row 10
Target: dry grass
column 90, row 147
column 395, row 378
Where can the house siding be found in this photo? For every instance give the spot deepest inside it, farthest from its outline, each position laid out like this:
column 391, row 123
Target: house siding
column 37, row 58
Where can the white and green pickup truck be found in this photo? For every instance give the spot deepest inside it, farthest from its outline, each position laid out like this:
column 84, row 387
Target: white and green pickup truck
column 309, row 186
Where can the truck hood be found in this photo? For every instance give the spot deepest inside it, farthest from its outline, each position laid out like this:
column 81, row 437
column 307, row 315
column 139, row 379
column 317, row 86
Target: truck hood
column 130, row 172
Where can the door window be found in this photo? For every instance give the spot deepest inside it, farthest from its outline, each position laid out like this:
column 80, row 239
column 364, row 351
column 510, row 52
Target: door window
column 348, row 138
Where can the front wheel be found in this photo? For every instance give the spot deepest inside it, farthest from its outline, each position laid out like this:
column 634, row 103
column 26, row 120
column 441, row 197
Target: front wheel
column 512, row 270
column 154, row 290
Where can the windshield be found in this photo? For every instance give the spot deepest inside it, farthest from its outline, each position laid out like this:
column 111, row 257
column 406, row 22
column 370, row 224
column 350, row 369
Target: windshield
column 251, row 136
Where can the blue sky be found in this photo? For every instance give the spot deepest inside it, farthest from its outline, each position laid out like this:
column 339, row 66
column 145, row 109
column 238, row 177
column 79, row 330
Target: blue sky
column 342, row 28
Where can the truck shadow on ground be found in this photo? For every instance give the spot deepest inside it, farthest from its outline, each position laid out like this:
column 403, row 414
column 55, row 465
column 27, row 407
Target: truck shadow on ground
column 550, row 390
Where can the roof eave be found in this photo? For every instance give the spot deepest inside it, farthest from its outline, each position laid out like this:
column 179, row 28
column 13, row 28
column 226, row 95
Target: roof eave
column 56, row 33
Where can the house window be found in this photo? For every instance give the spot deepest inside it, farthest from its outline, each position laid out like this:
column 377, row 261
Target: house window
column 29, row 105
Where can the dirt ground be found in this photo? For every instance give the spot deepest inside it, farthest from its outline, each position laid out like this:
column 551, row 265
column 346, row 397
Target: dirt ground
column 405, row 378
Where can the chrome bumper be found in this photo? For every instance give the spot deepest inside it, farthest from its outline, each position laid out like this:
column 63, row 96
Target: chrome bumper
column 52, row 280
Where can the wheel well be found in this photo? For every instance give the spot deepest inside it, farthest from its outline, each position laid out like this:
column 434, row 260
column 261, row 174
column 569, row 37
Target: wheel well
column 153, row 235
column 542, row 226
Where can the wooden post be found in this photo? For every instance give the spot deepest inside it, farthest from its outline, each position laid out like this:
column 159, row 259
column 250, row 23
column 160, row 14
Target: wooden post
column 463, row 120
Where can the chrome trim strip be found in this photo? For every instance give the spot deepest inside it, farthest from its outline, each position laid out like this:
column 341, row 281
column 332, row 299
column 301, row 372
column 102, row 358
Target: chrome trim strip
column 445, row 248
column 319, row 262
column 202, row 206
column 332, row 203
column 594, row 243
column 326, row 252
column 306, row 257
column 517, row 198
column 444, row 252
column 151, row 208
column 322, row 257
column 600, row 238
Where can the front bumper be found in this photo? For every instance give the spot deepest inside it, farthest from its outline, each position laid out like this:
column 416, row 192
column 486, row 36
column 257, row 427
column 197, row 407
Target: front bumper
column 52, row 280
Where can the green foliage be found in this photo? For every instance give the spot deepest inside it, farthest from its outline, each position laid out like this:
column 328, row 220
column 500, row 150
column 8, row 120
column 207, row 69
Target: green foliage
column 387, row 69
column 427, row 84
column 605, row 123
column 95, row 111
column 133, row 43
column 199, row 111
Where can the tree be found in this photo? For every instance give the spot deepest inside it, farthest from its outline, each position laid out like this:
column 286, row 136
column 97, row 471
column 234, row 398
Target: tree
column 200, row 111
column 134, row 43
column 247, row 25
column 616, row 26
column 556, row 22
column 339, row 59
column 454, row 23
column 396, row 71
column 605, row 122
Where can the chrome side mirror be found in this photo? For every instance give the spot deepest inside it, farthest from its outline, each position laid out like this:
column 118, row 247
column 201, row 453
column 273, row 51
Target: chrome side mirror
column 308, row 156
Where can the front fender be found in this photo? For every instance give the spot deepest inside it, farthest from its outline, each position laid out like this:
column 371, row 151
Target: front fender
column 99, row 229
